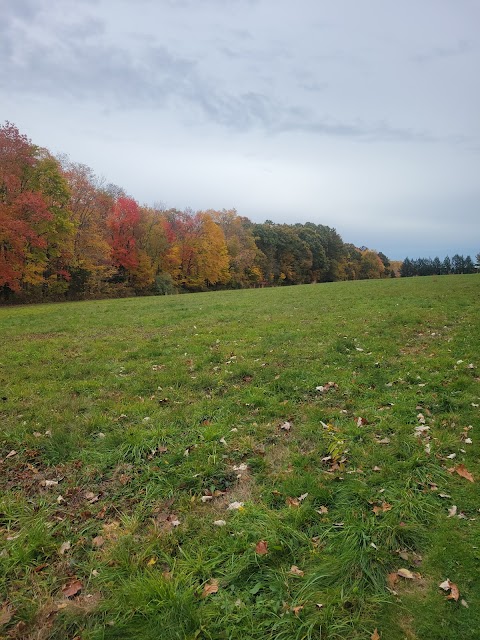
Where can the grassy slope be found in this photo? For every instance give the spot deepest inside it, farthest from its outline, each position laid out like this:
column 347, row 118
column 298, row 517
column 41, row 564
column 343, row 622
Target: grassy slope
column 135, row 396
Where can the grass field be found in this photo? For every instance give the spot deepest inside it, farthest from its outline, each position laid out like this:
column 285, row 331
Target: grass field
column 282, row 463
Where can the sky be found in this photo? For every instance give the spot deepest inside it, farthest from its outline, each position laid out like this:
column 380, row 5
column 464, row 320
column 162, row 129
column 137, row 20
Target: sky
column 360, row 115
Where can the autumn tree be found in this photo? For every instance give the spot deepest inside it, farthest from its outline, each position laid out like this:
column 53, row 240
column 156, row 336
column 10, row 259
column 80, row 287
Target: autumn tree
column 198, row 256
column 133, row 264
column 90, row 207
column 241, row 247
column 35, row 225
column 371, row 266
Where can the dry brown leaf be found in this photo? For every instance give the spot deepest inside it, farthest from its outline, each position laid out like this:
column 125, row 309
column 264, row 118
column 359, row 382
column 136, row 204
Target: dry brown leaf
column 454, row 592
column 462, row 471
column 6, row 614
column 210, row 587
column 375, row 635
column 445, row 585
column 98, row 541
column 11, row 454
column 72, row 588
column 261, row 548
column 385, row 506
column 392, row 579
column 292, row 502
column 405, row 573
column 294, row 570
column 49, row 483
column 65, row 546
column 322, row 510
column 235, row 506
column 296, row 610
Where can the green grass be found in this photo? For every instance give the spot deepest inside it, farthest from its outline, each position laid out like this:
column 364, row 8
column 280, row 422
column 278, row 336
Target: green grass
column 139, row 407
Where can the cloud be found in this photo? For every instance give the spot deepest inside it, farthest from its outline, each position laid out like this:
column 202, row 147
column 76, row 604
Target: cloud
column 77, row 62
column 439, row 53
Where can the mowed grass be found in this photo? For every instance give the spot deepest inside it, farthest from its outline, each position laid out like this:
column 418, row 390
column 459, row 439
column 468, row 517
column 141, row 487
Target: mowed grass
column 128, row 427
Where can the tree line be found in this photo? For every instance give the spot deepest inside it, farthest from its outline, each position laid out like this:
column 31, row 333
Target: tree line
column 67, row 234
column 436, row 267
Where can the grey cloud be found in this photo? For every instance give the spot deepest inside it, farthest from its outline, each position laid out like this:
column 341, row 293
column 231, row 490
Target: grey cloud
column 460, row 48
column 156, row 78
column 76, row 61
column 23, row 9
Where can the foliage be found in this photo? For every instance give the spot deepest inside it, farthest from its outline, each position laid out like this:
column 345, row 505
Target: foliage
column 65, row 234
column 428, row 267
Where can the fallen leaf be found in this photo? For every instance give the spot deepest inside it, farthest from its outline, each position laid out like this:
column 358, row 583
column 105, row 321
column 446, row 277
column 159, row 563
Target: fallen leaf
column 464, row 603
column 385, row 506
column 375, row 635
column 405, row 573
column 294, row 570
column 302, row 497
column 240, row 467
column 454, row 592
column 361, row 421
column 286, row 426
column 292, row 502
column 462, row 471
column 98, row 541
column 11, row 454
column 49, row 483
column 72, row 588
column 219, row 523
column 6, row 614
column 296, row 610
column 235, row 506
column 64, row 547
column 392, row 579
column 152, row 562
column 452, row 511
column 384, row 441
column 210, row 587
column 376, row 468
column 261, row 548
column 322, row 510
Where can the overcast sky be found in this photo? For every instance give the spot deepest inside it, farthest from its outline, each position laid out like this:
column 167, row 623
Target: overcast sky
column 363, row 115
